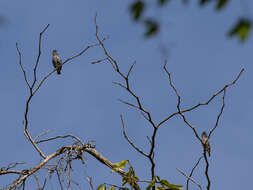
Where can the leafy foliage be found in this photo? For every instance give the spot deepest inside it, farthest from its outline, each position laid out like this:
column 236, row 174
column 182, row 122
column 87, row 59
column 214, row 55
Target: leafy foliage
column 130, row 178
column 137, row 9
column 241, row 29
column 151, row 27
column 121, row 164
column 112, row 188
column 221, row 4
column 151, row 184
column 101, row 187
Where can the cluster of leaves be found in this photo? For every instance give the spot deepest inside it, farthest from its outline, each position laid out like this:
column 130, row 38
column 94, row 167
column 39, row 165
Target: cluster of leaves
column 241, row 29
column 130, row 178
column 163, row 184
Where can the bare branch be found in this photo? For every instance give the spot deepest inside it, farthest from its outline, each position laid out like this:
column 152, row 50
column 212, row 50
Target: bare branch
column 89, row 179
column 36, row 168
column 121, row 85
column 38, row 57
column 138, row 106
column 4, row 172
column 128, row 139
column 57, row 137
column 190, row 178
column 206, row 171
column 202, row 103
column 99, row 61
column 179, row 102
column 125, row 102
column 64, row 62
column 130, row 69
column 21, row 66
column 219, row 115
column 195, row 166
column 42, row 134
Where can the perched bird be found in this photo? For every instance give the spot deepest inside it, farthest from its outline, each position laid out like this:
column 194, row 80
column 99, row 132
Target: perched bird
column 206, row 143
column 57, row 62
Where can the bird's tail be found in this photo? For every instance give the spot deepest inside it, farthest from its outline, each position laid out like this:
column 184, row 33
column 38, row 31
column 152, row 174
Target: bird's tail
column 58, row 71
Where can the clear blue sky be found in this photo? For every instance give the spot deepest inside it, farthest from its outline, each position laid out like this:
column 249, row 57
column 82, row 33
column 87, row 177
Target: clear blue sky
column 83, row 101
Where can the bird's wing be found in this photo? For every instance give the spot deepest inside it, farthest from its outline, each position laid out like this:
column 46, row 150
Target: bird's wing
column 59, row 60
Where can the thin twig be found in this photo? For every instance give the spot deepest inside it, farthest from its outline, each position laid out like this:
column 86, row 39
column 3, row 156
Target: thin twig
column 21, row 66
column 195, row 166
column 138, row 105
column 128, row 139
column 202, row 103
column 60, row 136
column 190, row 178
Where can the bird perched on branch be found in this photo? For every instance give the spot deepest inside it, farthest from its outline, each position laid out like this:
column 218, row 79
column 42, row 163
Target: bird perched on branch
column 57, row 62
column 206, row 144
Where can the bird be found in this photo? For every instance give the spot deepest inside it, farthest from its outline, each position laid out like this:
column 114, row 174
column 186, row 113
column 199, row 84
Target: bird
column 206, row 144
column 57, row 62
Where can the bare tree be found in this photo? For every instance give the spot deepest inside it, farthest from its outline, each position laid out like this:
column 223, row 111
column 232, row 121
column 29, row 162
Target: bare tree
column 59, row 163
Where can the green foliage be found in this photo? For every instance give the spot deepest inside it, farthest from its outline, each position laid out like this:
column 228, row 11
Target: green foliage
column 151, row 184
column 118, row 165
column 151, row 27
column 137, row 9
column 130, row 177
column 241, row 29
column 221, row 4
column 165, row 185
column 112, row 188
column 101, row 187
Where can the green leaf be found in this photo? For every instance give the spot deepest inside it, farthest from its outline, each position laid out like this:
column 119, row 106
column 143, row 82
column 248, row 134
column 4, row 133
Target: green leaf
column 162, row 2
column 164, row 182
column 118, row 165
column 137, row 9
column 241, row 29
column 112, row 188
column 124, row 181
column 221, row 4
column 160, row 188
column 101, row 187
column 151, row 27
column 175, row 187
column 168, row 185
column 151, row 184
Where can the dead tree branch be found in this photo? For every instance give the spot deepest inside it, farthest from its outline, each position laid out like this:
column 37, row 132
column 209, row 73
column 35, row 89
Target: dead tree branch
column 139, row 105
column 180, row 112
column 195, row 166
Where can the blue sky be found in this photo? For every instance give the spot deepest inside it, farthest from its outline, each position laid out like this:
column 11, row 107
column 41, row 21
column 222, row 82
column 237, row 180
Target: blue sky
column 83, row 101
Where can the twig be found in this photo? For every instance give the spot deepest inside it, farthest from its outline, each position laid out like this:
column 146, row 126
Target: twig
column 190, row 178
column 41, row 134
column 60, row 136
column 202, row 103
column 187, row 182
column 128, row 139
column 138, row 105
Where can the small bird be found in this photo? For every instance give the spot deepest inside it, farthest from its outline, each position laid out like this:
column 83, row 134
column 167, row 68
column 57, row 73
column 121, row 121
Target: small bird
column 206, row 144
column 57, row 62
